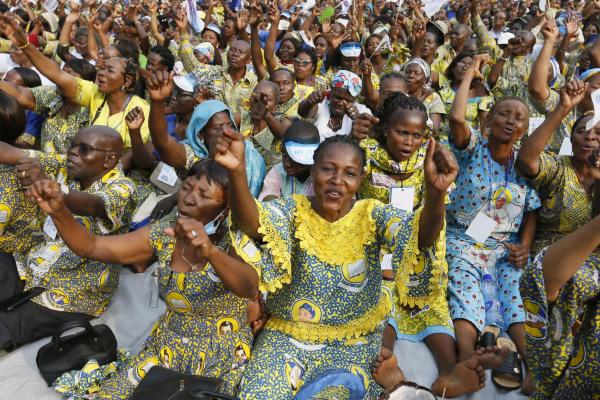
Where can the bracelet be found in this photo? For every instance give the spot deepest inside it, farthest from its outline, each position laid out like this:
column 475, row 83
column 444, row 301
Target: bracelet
column 503, row 59
column 24, row 46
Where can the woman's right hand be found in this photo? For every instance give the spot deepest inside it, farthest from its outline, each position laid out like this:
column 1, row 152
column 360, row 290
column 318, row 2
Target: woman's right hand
column 48, row 196
column 159, row 84
column 479, row 61
column 182, row 22
column 572, row 94
column 12, row 30
column 230, row 150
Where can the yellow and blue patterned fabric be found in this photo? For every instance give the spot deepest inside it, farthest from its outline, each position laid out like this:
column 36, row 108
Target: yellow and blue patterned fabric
column 72, row 283
column 564, row 130
column 326, row 302
column 564, row 364
column 264, row 141
column 565, row 204
column 475, row 106
column 57, row 130
column 217, row 79
column 204, row 330
column 424, row 309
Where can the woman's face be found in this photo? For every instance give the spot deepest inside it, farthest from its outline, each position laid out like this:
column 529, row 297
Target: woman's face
column 111, row 77
column 584, row 142
column 389, row 86
column 321, row 47
column 211, row 37
column 229, row 28
column 372, row 44
column 415, row 77
column 287, row 51
column 590, row 30
column 405, row 133
column 202, row 59
column 508, row 121
column 214, row 129
column 201, row 200
column 429, row 45
column 336, row 175
column 81, row 45
column 14, row 77
column 181, row 103
column 351, row 64
column 303, row 66
column 461, row 68
column 339, row 98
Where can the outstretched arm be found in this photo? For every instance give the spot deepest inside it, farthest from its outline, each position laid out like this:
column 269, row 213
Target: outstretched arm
column 129, row 248
column 538, row 79
column 23, row 95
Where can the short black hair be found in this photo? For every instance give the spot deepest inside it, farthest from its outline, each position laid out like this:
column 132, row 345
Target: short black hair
column 449, row 73
column 212, row 171
column 166, row 57
column 30, row 78
column 86, row 70
column 392, row 104
column 313, row 56
column 392, row 75
column 302, row 132
column 341, row 140
column 12, row 118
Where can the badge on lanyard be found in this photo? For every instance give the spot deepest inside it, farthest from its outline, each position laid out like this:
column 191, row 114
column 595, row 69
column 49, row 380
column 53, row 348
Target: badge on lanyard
column 403, row 198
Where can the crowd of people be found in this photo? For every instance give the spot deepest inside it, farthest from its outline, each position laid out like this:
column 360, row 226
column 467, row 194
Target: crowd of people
column 315, row 180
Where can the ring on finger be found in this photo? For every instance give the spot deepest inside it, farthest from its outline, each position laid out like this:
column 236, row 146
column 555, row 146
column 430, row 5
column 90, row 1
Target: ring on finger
column 23, row 174
column 194, row 233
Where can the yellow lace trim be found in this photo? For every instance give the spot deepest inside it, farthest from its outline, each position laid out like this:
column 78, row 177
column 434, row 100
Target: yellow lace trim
column 338, row 243
column 320, row 333
column 410, row 260
column 282, row 257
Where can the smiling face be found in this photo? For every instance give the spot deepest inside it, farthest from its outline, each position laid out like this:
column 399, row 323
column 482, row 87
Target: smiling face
column 303, row 67
column 336, row 175
column 508, row 120
column 201, row 200
column 584, row 142
column 405, row 133
column 211, row 37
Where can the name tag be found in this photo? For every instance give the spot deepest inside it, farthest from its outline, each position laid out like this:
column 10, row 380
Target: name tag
column 50, row 228
column 403, row 198
column 481, row 227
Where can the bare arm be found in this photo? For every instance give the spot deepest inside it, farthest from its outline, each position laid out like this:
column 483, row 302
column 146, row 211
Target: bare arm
column 22, row 94
column 85, row 204
column 538, row 79
column 257, row 58
column 170, row 151
column 497, row 69
column 270, row 57
column 459, row 128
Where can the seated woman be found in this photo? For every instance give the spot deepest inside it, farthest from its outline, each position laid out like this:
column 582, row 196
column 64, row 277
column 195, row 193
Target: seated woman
column 559, row 288
column 108, row 100
column 305, row 74
column 63, row 117
column 566, row 183
column 418, row 78
column 196, row 268
column 479, row 102
column 395, row 175
column 491, row 223
column 333, row 113
column 319, row 259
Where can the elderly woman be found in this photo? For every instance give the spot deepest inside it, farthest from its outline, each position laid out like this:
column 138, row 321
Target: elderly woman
column 108, row 100
column 333, row 114
column 418, row 78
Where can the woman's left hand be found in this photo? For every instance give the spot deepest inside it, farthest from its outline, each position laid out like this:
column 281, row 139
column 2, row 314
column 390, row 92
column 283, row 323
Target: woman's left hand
column 440, row 166
column 192, row 233
column 518, row 254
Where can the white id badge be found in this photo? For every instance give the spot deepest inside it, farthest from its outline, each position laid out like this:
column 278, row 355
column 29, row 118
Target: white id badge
column 403, row 198
column 534, row 123
column 167, row 175
column 50, row 228
column 566, row 148
column 481, row 227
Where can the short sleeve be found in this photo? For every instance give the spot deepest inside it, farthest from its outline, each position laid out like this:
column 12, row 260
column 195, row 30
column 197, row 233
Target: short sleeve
column 271, row 258
column 118, row 203
column 87, row 92
column 271, row 185
column 435, row 105
column 546, row 106
column 549, row 172
column 47, row 99
column 465, row 154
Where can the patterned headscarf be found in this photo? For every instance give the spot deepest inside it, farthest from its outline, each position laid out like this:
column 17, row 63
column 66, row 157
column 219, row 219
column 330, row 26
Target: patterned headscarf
column 206, row 49
column 423, row 65
column 347, row 80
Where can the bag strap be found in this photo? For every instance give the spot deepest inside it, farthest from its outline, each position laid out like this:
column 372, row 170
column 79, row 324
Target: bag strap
column 207, row 394
column 79, row 323
column 98, row 111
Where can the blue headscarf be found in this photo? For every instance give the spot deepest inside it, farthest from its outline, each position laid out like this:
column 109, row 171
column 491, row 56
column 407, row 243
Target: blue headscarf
column 255, row 165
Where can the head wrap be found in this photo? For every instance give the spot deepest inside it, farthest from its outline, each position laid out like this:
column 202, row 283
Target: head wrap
column 422, row 64
column 347, row 80
column 206, row 49
column 200, row 117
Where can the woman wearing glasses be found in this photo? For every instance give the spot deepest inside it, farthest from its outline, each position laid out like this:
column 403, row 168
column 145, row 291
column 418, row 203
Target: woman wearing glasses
column 305, row 67
column 109, row 99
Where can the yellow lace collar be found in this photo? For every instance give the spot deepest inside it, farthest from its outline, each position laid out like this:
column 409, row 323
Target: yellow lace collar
column 338, row 243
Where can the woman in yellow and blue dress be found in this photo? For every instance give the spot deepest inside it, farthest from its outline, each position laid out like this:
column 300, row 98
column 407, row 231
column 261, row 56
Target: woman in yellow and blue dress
column 318, row 257
column 205, row 329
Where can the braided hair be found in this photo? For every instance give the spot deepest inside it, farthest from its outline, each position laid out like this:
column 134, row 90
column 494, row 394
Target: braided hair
column 341, row 140
column 394, row 103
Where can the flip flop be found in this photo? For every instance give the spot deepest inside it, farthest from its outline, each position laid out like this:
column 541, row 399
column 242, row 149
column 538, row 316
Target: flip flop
column 488, row 336
column 509, row 375
column 409, row 390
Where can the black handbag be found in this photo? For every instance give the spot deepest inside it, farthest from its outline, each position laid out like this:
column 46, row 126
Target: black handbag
column 165, row 384
column 72, row 352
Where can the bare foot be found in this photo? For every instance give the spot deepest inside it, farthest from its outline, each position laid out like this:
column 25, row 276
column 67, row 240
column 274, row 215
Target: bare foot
column 386, row 371
column 528, row 385
column 492, row 357
column 466, row 377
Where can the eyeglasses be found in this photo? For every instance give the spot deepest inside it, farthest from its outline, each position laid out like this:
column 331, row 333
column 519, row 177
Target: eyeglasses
column 83, row 149
column 302, row 62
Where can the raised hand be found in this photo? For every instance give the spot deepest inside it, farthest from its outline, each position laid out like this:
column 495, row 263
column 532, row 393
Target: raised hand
column 182, row 22
column 12, row 30
column 572, row 25
column 135, row 118
column 48, row 196
column 316, row 97
column 274, row 14
column 478, row 62
column 230, row 150
column 441, row 168
column 193, row 235
column 572, row 93
column 159, row 84
column 258, row 106
column 255, row 14
column 550, row 30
